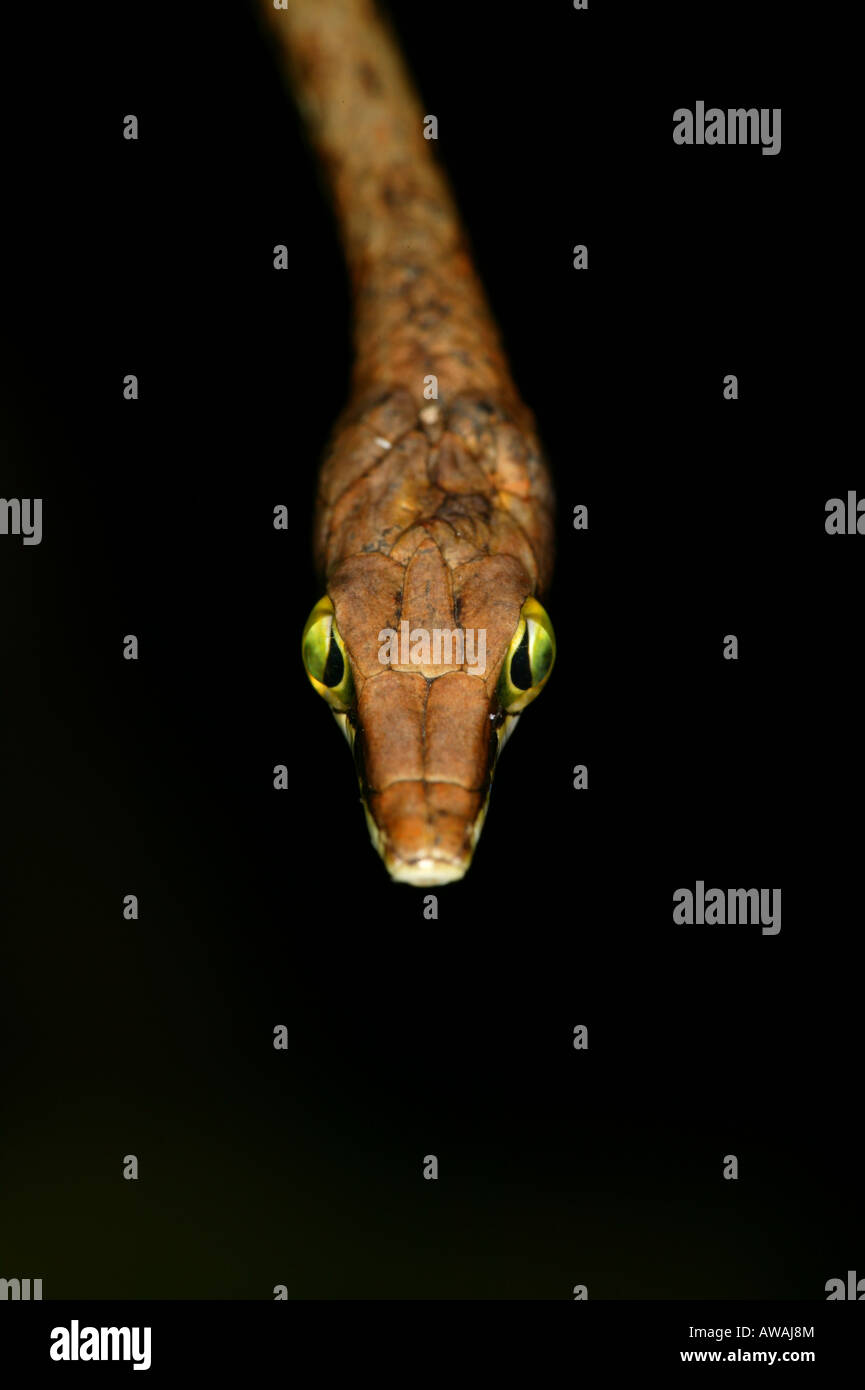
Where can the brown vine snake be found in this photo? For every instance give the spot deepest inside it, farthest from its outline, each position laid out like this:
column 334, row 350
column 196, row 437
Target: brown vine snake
column 434, row 517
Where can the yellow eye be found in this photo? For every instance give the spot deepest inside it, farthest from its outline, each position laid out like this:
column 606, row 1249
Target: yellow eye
column 325, row 658
column 529, row 659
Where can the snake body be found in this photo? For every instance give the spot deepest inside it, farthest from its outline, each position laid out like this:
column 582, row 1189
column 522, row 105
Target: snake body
column 435, row 505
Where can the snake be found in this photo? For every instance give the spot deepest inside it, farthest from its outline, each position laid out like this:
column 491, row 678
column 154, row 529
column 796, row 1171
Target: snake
column 433, row 531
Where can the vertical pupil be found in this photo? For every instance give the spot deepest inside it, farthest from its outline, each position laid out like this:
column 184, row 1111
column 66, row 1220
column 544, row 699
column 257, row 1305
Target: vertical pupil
column 334, row 667
column 521, row 669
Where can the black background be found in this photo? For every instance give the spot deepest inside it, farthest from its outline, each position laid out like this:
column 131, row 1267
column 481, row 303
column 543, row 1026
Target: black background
column 706, row 517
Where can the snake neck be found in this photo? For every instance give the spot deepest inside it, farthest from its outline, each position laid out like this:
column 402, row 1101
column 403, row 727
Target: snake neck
column 421, row 319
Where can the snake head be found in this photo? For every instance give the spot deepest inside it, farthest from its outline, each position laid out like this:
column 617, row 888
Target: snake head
column 426, row 710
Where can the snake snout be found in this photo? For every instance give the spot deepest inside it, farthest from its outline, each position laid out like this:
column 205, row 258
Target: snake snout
column 426, row 769
column 426, row 831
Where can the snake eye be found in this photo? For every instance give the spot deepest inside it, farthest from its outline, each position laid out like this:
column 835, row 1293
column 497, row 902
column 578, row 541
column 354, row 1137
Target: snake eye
column 325, row 659
column 529, row 659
